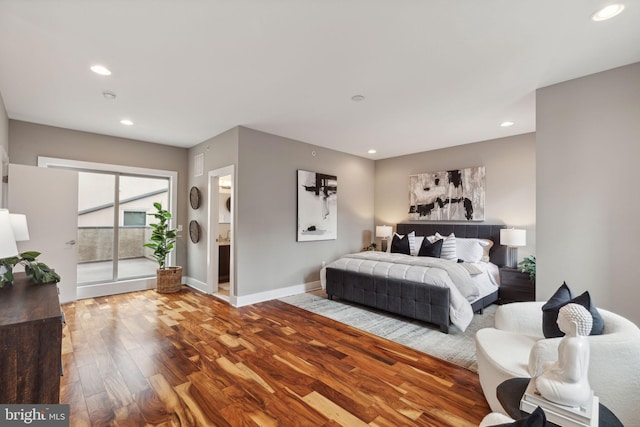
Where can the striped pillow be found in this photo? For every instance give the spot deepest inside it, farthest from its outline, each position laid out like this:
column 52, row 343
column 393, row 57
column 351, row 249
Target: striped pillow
column 448, row 247
column 413, row 247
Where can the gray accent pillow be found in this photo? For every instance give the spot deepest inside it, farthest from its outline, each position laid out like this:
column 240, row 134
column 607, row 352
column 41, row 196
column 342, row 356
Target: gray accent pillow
column 536, row 419
column 550, row 310
column 400, row 245
column 561, row 298
column 430, row 249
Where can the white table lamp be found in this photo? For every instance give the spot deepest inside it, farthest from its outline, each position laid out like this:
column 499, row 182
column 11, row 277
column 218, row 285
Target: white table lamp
column 384, row 232
column 19, row 226
column 512, row 238
column 8, row 246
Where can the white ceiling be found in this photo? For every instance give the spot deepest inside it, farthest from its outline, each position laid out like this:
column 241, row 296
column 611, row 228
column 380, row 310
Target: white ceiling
column 434, row 73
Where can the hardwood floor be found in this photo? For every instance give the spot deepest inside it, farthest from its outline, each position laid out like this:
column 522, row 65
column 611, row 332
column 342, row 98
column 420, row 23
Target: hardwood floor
column 188, row 359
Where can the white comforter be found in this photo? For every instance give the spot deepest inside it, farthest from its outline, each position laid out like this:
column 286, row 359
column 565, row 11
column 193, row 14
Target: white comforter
column 433, row 271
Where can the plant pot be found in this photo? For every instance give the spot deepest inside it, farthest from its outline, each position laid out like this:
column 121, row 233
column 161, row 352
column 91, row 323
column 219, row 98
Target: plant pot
column 168, row 279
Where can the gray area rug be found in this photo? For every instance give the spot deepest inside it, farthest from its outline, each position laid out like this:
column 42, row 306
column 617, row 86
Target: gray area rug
column 456, row 347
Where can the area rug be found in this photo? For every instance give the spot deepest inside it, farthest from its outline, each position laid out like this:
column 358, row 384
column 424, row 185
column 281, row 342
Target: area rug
column 456, row 347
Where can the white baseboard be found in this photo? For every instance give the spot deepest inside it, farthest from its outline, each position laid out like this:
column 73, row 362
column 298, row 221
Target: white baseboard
column 196, row 284
column 239, row 301
column 243, row 300
column 112, row 288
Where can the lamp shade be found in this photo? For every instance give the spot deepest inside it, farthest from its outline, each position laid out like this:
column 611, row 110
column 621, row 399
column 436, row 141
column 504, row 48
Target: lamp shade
column 19, row 226
column 8, row 246
column 383, row 231
column 513, row 237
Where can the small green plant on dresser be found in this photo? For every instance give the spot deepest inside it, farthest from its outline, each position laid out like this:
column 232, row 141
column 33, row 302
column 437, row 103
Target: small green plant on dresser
column 39, row 271
column 528, row 265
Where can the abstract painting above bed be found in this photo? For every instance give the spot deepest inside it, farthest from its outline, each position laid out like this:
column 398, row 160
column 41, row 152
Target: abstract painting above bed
column 454, row 195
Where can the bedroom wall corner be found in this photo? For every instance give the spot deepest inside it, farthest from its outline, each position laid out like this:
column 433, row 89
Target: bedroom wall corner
column 588, row 151
column 510, row 183
column 217, row 152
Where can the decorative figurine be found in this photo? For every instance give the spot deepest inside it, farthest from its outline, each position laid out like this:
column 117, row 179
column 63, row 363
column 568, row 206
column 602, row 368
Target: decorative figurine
column 566, row 381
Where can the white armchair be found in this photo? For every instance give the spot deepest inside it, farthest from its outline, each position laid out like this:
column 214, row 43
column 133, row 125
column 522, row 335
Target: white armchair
column 516, row 347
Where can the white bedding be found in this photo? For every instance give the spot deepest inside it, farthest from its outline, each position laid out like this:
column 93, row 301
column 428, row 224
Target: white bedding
column 464, row 287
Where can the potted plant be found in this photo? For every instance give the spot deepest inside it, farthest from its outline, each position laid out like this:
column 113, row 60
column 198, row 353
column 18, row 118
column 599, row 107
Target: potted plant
column 528, row 265
column 163, row 239
column 38, row 271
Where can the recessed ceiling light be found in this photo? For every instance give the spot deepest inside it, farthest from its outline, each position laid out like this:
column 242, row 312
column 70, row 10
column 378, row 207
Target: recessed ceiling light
column 100, row 69
column 126, row 122
column 372, row 151
column 357, row 98
column 607, row 12
column 506, row 124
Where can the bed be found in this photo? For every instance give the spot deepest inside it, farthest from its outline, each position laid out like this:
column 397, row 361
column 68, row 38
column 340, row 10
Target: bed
column 422, row 288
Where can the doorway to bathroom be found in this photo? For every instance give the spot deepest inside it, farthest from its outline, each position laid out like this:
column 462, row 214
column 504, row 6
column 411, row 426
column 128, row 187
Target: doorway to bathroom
column 220, row 274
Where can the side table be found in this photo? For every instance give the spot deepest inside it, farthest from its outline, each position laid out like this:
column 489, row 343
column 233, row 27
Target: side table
column 510, row 392
column 516, row 286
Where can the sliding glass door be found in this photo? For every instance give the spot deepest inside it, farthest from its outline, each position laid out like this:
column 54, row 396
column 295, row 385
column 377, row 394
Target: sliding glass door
column 113, row 225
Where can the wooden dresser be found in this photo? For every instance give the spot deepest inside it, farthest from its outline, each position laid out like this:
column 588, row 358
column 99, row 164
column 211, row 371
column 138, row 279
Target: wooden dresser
column 30, row 342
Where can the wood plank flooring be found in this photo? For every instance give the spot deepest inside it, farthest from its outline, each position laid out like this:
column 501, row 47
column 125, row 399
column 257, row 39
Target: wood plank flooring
column 189, row 359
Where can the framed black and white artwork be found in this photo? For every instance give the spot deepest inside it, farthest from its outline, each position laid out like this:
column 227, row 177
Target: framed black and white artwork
column 454, row 195
column 317, row 206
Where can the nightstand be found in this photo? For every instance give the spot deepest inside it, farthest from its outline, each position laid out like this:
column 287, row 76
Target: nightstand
column 516, row 286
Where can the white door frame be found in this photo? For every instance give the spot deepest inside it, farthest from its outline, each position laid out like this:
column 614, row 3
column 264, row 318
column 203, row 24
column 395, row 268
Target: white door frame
column 212, row 222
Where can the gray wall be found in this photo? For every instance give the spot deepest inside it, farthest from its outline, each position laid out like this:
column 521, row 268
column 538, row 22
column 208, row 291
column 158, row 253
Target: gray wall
column 30, row 140
column 4, row 126
column 219, row 151
column 510, row 186
column 588, row 149
column 4, row 144
column 268, row 255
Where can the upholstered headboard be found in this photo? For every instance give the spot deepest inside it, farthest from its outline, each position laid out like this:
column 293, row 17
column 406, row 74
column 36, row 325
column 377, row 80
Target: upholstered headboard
column 498, row 253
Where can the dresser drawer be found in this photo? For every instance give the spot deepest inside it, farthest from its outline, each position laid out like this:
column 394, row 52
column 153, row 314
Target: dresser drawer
column 516, row 286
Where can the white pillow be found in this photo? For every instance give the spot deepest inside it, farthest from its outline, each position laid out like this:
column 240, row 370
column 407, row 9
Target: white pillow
column 494, row 419
column 448, row 247
column 471, row 250
column 486, row 249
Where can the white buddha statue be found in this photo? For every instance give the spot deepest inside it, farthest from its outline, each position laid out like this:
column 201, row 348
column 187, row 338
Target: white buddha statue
column 566, row 381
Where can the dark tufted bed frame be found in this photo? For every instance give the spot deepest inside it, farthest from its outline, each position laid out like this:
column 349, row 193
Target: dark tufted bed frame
column 411, row 299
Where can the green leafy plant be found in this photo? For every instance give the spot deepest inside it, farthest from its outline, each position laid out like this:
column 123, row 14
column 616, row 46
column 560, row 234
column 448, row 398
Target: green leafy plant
column 163, row 238
column 371, row 247
column 528, row 265
column 39, row 271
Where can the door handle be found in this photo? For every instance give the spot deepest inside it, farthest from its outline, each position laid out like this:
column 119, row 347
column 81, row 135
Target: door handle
column 70, row 242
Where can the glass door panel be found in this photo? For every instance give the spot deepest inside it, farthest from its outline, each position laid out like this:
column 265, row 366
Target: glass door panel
column 136, row 198
column 96, row 194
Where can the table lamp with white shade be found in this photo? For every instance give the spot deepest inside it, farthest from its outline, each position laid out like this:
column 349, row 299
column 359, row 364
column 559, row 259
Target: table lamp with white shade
column 8, row 248
column 384, row 232
column 19, row 226
column 512, row 238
